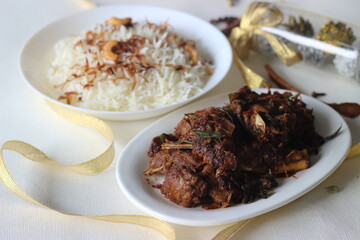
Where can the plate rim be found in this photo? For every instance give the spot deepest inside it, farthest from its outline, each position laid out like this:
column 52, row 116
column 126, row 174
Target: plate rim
column 194, row 222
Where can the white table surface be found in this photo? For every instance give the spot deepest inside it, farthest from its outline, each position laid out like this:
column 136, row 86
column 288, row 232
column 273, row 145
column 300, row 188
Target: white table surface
column 25, row 116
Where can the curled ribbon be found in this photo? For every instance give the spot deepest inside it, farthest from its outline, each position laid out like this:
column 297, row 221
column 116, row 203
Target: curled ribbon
column 95, row 166
column 256, row 16
column 90, row 167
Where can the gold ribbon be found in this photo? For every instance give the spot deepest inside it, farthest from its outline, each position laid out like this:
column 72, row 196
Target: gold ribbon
column 354, row 151
column 95, row 166
column 229, row 232
column 256, row 16
column 92, row 166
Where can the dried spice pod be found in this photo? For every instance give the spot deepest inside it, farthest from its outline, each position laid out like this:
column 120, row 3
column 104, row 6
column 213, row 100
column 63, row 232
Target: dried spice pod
column 279, row 80
column 347, row 109
column 226, row 24
column 317, row 94
column 302, row 27
column 296, row 29
column 336, row 34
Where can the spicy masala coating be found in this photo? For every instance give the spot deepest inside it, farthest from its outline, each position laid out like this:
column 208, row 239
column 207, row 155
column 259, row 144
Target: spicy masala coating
column 220, row 156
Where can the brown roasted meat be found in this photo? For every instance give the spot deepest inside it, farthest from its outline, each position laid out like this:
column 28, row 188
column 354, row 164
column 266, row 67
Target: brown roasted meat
column 220, row 156
column 184, row 187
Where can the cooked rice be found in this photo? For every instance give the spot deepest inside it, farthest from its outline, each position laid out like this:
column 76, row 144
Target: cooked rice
column 158, row 73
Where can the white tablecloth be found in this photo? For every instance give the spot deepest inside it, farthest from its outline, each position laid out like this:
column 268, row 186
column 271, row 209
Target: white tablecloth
column 25, row 116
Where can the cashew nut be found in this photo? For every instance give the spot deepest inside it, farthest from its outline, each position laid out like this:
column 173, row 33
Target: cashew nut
column 108, row 50
column 193, row 53
column 118, row 21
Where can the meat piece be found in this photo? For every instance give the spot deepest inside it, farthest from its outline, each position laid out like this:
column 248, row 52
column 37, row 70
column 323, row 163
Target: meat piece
column 183, row 129
column 216, row 153
column 164, row 159
column 186, row 159
column 224, row 189
column 259, row 157
column 221, row 197
column 160, row 162
column 210, row 119
column 184, row 187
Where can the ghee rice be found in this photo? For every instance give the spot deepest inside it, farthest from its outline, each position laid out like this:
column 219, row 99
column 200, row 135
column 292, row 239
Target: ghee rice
column 154, row 67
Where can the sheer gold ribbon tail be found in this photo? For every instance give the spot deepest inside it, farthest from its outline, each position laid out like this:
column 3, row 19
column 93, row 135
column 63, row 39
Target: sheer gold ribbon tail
column 354, row 151
column 97, row 165
column 229, row 232
column 93, row 166
column 256, row 16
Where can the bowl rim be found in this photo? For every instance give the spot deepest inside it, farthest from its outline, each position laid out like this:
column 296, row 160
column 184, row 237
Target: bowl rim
column 226, row 47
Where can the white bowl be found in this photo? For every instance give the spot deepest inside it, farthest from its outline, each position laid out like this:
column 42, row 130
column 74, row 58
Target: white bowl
column 210, row 41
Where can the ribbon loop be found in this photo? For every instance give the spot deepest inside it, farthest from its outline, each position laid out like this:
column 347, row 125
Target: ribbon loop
column 256, row 16
column 93, row 166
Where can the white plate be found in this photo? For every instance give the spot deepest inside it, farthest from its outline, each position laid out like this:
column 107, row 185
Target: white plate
column 134, row 161
column 210, row 41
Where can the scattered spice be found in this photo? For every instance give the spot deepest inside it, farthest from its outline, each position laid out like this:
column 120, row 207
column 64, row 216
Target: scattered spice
column 347, row 109
column 279, row 80
column 302, row 26
column 317, row 94
column 332, row 189
column 336, row 34
column 226, row 24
